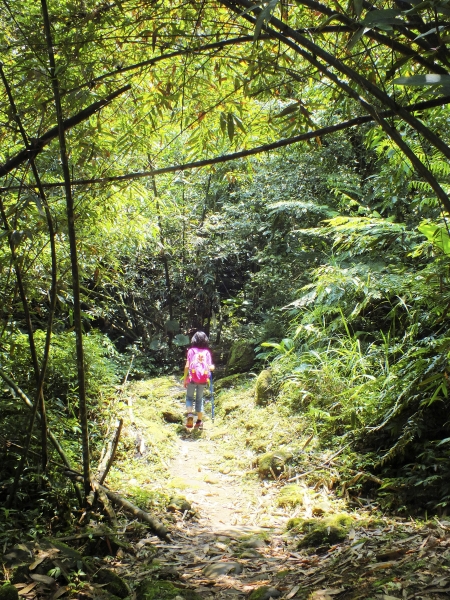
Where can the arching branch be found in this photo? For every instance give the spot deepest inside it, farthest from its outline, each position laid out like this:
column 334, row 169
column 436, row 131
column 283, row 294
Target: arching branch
column 250, row 152
column 38, row 144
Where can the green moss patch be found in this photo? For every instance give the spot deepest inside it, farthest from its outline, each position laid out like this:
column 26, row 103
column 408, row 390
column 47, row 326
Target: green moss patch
column 264, row 593
column 147, row 498
column 178, row 483
column 263, row 388
column 272, row 463
column 178, row 503
column 325, row 532
column 229, row 382
column 8, row 592
column 295, row 523
column 230, row 406
column 290, row 495
column 112, row 583
column 162, row 590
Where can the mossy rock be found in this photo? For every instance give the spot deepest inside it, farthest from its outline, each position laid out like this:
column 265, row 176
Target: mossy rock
column 290, row 495
column 149, row 589
column 242, row 357
column 325, row 532
column 264, row 593
column 341, row 520
column 112, row 583
column 20, row 574
column 319, row 510
column 8, row 592
column 178, row 503
column 264, row 388
column 272, row 461
column 229, row 382
column 370, row 523
column 172, row 416
column 323, row 536
column 296, row 523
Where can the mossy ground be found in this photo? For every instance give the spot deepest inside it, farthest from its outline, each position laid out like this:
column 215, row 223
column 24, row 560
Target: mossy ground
column 163, row 590
column 249, row 440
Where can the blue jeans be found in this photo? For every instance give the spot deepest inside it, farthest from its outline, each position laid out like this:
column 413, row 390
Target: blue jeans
column 195, row 390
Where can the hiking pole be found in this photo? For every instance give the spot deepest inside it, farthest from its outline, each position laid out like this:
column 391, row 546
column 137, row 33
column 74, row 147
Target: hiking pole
column 211, row 391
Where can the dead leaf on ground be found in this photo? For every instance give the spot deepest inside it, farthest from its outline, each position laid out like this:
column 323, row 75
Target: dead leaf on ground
column 320, row 595
column 26, row 590
column 60, row 592
column 292, row 593
column 390, row 555
column 43, row 578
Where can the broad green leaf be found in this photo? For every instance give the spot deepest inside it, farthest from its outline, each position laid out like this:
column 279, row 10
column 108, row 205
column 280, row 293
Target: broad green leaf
column 419, row 6
column 288, row 110
column 382, row 17
column 328, row 21
column 223, row 122
column 172, row 326
column 155, row 344
column 399, row 63
column 239, row 123
column 437, row 235
column 181, row 340
column 430, row 32
column 444, row 441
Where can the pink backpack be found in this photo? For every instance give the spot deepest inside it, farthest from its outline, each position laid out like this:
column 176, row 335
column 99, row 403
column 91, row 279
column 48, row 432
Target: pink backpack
column 199, row 366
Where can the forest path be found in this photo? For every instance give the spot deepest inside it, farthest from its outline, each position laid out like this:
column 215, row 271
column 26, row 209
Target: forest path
column 232, row 543
column 227, row 543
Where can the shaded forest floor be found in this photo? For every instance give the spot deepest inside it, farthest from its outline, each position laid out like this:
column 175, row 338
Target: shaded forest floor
column 238, row 527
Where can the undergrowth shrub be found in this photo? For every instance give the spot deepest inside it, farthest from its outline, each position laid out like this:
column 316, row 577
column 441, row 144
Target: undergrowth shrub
column 368, row 359
column 61, row 376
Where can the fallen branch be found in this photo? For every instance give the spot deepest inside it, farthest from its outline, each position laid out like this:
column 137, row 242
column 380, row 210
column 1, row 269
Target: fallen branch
column 104, row 467
column 244, row 153
column 156, row 526
column 324, row 464
column 106, row 504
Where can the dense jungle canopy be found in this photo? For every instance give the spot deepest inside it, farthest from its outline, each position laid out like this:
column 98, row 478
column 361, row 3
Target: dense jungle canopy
column 274, row 173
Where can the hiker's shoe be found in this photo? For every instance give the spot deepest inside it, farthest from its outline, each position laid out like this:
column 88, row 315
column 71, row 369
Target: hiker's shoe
column 190, row 421
column 198, row 425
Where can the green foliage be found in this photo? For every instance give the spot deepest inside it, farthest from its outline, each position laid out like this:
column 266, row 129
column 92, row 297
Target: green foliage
column 61, row 371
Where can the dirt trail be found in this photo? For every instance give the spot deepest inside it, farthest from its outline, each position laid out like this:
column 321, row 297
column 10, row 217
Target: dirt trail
column 212, row 494
column 222, row 551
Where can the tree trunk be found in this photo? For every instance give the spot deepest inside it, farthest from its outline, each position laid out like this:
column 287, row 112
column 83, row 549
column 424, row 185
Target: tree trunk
column 78, row 325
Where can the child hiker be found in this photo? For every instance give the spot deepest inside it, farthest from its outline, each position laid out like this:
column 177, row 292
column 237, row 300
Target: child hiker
column 196, row 375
